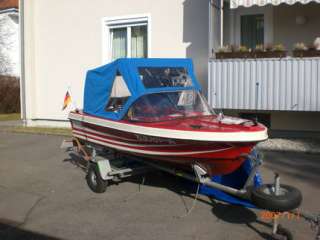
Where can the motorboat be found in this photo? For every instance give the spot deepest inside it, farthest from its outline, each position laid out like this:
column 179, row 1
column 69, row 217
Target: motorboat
column 142, row 115
column 154, row 109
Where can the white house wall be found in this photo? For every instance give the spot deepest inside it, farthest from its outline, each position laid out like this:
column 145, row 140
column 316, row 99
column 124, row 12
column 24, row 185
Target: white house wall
column 287, row 32
column 63, row 39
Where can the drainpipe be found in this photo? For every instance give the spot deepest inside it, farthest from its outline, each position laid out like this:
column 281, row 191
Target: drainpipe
column 22, row 63
column 210, row 39
column 221, row 23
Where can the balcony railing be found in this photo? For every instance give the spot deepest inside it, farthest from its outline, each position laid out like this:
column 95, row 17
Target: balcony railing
column 287, row 84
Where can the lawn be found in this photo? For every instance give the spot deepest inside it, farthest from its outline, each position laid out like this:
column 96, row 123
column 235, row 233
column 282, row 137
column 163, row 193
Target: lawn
column 32, row 130
column 10, row 117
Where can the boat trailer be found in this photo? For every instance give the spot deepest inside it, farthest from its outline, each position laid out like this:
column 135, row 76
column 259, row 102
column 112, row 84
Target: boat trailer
column 104, row 166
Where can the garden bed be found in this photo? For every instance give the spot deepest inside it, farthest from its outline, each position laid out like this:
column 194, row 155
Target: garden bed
column 254, row 54
column 306, row 53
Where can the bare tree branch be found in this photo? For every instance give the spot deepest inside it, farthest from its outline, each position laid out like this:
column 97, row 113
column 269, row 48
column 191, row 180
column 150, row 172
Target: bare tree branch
column 6, row 43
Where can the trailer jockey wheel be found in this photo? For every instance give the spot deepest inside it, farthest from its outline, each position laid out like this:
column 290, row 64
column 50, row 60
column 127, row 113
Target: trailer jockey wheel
column 282, row 234
column 264, row 197
column 94, row 179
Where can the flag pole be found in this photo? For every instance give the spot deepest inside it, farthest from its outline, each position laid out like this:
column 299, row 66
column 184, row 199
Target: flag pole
column 73, row 103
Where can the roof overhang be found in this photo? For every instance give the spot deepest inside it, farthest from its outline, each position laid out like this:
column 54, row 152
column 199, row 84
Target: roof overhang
column 249, row 3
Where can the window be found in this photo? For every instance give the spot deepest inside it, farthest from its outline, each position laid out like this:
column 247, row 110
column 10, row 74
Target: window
column 119, row 94
column 119, row 42
column 155, row 77
column 252, row 30
column 126, row 37
column 139, row 43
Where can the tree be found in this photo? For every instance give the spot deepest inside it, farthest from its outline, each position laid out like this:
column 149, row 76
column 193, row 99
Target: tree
column 6, row 43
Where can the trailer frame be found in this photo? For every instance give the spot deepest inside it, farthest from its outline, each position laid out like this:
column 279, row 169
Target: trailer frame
column 104, row 159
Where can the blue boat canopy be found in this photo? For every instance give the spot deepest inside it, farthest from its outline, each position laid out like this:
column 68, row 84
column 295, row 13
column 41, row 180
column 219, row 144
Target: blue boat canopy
column 111, row 89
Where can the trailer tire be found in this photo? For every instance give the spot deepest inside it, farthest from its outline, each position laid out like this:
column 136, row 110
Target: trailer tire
column 264, row 197
column 94, row 179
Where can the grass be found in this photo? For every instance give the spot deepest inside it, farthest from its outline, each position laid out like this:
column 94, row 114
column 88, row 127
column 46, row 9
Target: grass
column 10, row 117
column 40, row 130
column 31, row 130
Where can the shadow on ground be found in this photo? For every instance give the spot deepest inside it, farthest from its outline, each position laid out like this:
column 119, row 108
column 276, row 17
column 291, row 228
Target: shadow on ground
column 77, row 161
column 10, row 231
column 301, row 166
column 240, row 215
column 185, row 188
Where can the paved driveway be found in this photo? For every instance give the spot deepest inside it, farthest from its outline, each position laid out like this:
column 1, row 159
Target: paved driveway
column 43, row 195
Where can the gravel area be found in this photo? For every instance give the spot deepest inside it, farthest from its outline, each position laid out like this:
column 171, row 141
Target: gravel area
column 291, row 145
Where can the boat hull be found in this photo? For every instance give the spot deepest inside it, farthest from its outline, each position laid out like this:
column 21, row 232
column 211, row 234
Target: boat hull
column 216, row 157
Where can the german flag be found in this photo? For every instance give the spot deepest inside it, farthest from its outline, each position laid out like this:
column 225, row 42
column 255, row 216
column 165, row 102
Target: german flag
column 67, row 100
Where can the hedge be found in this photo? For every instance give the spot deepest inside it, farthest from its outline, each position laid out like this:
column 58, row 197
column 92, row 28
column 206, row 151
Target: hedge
column 9, row 94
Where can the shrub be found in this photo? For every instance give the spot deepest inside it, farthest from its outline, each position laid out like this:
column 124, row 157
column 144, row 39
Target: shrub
column 9, row 94
column 243, row 48
column 225, row 49
column 259, row 48
column 278, row 47
column 300, row 46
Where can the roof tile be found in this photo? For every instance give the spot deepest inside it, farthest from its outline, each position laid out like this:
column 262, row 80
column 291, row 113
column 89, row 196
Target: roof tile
column 7, row 4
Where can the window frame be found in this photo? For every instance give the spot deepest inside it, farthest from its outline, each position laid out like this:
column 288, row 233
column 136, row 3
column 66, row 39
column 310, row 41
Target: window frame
column 109, row 23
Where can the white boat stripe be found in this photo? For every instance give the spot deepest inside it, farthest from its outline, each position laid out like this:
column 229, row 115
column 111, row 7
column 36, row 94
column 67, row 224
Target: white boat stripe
column 241, row 136
column 144, row 151
column 122, row 143
column 109, row 135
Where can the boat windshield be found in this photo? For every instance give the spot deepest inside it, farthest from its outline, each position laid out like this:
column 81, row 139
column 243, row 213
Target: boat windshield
column 169, row 106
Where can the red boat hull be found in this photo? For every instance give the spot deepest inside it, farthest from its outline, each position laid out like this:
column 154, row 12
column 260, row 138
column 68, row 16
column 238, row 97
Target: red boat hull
column 216, row 157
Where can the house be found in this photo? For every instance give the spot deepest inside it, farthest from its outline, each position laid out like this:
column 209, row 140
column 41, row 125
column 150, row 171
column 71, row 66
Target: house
column 63, row 39
column 282, row 91
column 9, row 38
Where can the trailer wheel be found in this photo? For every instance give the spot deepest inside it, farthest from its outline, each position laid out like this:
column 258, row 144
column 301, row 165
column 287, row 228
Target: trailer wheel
column 94, row 179
column 288, row 199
